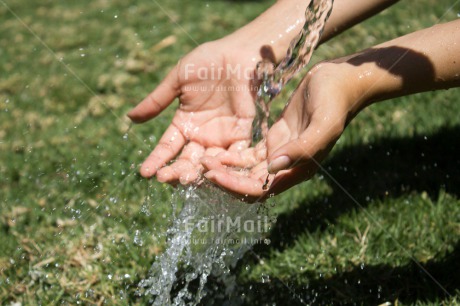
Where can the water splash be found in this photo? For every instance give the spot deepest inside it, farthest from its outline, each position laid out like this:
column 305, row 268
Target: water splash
column 214, row 230
column 209, row 235
column 125, row 135
column 274, row 78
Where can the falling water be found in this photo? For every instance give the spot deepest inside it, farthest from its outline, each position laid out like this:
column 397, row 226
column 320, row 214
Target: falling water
column 213, row 230
column 274, row 78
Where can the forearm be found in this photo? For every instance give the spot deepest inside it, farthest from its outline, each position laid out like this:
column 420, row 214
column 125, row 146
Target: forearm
column 347, row 13
column 278, row 25
column 275, row 27
column 421, row 61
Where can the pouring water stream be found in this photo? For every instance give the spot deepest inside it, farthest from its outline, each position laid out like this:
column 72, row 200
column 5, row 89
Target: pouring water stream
column 274, row 78
column 231, row 227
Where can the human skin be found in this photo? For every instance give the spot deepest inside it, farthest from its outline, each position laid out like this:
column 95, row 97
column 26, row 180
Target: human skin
column 210, row 121
column 332, row 94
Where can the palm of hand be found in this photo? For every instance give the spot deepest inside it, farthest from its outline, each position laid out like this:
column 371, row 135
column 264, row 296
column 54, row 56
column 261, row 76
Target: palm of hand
column 215, row 113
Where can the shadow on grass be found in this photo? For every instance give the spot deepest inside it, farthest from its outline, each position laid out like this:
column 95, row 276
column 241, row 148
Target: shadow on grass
column 389, row 168
column 372, row 285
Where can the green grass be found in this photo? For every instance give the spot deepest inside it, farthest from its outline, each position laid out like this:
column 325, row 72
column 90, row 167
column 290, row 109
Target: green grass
column 72, row 201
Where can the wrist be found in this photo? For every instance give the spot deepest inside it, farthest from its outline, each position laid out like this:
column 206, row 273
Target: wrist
column 382, row 72
column 370, row 76
column 345, row 81
column 275, row 28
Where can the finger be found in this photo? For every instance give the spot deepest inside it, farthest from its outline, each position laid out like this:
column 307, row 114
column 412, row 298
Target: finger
column 248, row 188
column 278, row 135
column 193, row 152
column 286, row 179
column 239, row 146
column 168, row 147
column 260, row 170
column 213, row 151
column 247, row 158
column 158, row 99
column 244, row 159
column 212, row 163
column 182, row 171
column 238, row 173
column 186, row 169
column 311, row 147
column 260, row 151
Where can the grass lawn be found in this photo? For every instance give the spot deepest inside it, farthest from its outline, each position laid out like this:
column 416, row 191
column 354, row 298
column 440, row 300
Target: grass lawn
column 79, row 225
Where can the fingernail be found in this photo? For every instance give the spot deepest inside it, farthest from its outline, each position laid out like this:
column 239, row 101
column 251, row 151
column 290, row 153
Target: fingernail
column 129, row 115
column 133, row 117
column 280, row 163
column 208, row 175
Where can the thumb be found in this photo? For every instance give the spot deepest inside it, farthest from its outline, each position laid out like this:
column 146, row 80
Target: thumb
column 157, row 100
column 312, row 146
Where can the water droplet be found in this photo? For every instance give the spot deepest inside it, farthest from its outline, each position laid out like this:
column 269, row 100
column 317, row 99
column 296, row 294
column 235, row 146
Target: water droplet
column 265, row 278
column 137, row 239
column 145, row 208
column 211, row 205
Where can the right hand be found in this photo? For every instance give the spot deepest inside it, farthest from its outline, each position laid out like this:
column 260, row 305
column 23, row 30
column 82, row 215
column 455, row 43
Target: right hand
column 215, row 111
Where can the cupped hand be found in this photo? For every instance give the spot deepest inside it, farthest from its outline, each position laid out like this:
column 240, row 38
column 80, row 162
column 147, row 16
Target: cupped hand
column 308, row 128
column 214, row 84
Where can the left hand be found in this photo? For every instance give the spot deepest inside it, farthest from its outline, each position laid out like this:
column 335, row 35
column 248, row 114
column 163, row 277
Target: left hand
column 307, row 130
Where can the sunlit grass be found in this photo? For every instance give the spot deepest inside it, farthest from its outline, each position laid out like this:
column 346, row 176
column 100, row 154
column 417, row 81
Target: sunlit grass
column 72, row 203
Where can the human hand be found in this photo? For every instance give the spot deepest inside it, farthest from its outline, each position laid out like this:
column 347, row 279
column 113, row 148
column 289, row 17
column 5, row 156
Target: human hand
column 196, row 130
column 216, row 110
column 308, row 128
